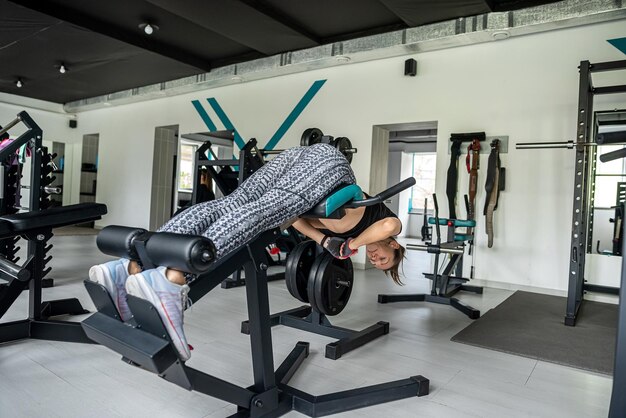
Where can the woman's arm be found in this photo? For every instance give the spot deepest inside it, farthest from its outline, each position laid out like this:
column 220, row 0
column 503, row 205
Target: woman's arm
column 377, row 231
column 304, row 227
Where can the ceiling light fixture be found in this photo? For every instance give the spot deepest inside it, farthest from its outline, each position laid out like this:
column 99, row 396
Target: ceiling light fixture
column 148, row 28
column 342, row 58
column 500, row 35
column 62, row 69
column 19, row 83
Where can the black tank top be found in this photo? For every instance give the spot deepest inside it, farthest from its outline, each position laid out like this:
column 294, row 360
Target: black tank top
column 371, row 215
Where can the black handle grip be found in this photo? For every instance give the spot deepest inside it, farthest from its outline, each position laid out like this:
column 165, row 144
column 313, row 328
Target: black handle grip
column 380, row 197
column 613, row 155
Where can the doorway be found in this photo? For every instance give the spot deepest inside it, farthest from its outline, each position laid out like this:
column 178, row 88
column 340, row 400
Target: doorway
column 400, row 151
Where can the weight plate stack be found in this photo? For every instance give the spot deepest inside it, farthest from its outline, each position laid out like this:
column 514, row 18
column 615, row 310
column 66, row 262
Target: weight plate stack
column 297, row 268
column 330, row 284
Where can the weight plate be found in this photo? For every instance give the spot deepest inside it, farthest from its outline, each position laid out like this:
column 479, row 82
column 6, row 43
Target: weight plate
column 297, row 267
column 342, row 144
column 310, row 136
column 330, row 284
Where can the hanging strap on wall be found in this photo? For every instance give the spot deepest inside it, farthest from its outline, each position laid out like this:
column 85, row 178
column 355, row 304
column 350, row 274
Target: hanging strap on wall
column 453, row 176
column 493, row 185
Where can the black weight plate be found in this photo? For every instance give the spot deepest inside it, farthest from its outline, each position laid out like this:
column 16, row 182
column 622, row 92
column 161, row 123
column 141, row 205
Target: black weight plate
column 325, row 294
column 310, row 136
column 297, row 269
column 321, row 261
column 342, row 144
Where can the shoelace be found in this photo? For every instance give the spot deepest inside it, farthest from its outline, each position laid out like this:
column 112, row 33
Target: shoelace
column 184, row 295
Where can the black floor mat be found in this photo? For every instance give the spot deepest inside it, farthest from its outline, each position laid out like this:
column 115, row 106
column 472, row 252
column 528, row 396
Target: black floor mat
column 531, row 325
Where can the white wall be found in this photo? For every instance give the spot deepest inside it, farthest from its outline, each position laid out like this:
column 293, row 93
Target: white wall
column 524, row 87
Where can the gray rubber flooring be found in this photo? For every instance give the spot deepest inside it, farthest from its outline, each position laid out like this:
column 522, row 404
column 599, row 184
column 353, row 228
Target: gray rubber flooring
column 531, row 325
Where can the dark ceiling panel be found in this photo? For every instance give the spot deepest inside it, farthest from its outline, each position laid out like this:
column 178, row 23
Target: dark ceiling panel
column 331, row 19
column 94, row 65
column 240, row 22
column 420, row 12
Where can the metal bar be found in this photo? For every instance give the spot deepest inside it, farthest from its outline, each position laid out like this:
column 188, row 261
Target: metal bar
column 607, row 66
column 579, row 220
column 9, row 125
column 290, row 365
column 218, row 388
column 601, row 289
column 610, row 89
column 336, row 349
column 333, row 403
column 434, row 249
column 260, row 328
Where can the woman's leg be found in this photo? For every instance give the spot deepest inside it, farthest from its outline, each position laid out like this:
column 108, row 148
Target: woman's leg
column 197, row 218
column 319, row 170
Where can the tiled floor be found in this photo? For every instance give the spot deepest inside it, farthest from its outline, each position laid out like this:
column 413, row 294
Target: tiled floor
column 53, row 379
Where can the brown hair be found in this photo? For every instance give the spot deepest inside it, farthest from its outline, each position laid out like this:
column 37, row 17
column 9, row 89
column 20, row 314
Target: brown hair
column 398, row 256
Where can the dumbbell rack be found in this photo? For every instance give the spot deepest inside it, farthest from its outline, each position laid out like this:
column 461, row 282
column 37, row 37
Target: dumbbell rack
column 316, row 277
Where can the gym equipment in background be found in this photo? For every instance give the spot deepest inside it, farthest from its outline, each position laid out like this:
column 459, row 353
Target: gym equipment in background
column 145, row 342
column 585, row 148
column 444, row 285
column 426, row 230
column 617, row 220
column 312, row 136
column 315, row 277
column 36, row 226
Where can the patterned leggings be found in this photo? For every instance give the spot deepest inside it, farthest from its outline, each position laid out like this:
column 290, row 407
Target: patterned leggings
column 284, row 188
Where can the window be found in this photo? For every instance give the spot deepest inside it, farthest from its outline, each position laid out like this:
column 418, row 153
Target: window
column 424, row 167
column 185, row 173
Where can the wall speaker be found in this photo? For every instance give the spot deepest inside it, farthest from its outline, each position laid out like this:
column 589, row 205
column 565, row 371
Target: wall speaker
column 410, row 67
column 73, row 123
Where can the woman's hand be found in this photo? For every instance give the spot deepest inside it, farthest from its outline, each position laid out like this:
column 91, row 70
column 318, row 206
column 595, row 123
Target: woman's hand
column 333, row 245
column 346, row 251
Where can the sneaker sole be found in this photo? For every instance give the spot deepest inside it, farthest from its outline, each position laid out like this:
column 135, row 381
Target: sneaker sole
column 138, row 288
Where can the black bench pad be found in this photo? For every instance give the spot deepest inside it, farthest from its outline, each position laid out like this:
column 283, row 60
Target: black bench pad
column 20, row 223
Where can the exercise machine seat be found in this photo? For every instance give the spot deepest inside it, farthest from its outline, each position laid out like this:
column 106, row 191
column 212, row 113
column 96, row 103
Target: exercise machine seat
column 334, row 201
column 21, row 223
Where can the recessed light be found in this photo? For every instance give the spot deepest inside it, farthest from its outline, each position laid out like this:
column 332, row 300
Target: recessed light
column 19, row 83
column 237, row 78
column 62, row 69
column 148, row 28
column 342, row 58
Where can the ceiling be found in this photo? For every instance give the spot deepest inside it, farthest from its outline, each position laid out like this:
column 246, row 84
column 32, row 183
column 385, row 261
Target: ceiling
column 105, row 51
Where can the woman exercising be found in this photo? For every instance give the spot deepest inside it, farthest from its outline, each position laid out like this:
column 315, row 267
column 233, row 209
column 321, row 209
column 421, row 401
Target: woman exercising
column 276, row 194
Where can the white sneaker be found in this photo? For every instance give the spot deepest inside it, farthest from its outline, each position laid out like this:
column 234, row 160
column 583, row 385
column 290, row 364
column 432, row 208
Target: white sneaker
column 168, row 298
column 112, row 276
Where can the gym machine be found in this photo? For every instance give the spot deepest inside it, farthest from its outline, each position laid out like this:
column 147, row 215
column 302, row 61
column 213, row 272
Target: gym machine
column 585, row 148
column 444, row 284
column 144, row 341
column 35, row 226
column 314, row 276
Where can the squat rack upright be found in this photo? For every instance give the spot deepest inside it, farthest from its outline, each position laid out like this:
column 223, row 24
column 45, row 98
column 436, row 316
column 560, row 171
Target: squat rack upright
column 584, row 173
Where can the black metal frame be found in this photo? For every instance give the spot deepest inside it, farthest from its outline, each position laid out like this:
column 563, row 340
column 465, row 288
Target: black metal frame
column 583, row 174
column 29, row 276
column 444, row 285
column 617, row 407
column 143, row 345
column 311, row 320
